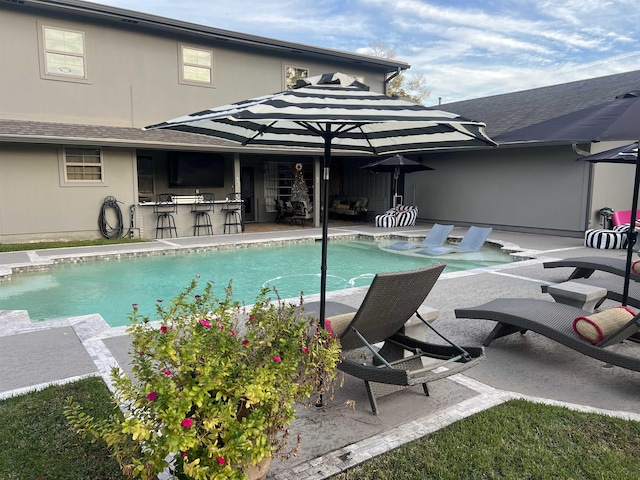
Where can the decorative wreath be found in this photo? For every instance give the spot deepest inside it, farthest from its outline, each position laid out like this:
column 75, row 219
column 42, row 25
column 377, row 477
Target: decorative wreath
column 299, row 167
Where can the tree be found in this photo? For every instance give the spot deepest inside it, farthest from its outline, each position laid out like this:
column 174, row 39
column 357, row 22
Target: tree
column 404, row 85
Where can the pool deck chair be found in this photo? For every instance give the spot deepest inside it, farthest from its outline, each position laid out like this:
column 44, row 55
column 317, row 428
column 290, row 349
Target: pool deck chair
column 554, row 321
column 435, row 238
column 585, row 266
column 472, row 241
column 392, row 299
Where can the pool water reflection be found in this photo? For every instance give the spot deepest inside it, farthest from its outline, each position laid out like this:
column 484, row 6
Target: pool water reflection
column 111, row 287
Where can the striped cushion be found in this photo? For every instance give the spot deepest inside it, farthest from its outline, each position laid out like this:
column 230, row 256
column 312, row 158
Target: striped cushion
column 604, row 239
column 387, row 220
column 398, row 216
column 407, row 218
column 624, row 228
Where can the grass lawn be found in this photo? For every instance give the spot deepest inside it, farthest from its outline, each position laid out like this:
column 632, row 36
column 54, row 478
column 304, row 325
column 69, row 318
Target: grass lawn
column 18, row 247
column 516, row 440
column 36, row 442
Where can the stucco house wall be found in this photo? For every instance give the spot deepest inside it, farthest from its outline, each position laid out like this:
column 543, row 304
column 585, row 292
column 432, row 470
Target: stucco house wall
column 132, row 80
column 517, row 189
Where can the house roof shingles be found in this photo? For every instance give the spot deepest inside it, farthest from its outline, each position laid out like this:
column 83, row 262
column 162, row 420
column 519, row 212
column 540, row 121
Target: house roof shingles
column 20, row 131
column 512, row 111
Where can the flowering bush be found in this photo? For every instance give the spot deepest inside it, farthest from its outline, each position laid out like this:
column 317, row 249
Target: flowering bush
column 214, row 385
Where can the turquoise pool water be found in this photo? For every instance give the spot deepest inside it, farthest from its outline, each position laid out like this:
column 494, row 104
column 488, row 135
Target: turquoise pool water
column 111, row 287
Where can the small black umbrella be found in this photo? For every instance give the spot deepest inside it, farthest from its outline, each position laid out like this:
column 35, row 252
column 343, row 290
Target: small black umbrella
column 396, row 165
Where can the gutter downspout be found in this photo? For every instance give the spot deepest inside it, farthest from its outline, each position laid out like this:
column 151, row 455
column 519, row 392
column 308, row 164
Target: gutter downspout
column 389, row 78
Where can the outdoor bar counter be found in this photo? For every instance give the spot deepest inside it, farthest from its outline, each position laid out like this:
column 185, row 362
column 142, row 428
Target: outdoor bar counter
column 183, row 211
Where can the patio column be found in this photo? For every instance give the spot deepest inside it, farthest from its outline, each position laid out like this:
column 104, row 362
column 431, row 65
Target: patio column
column 316, row 190
column 236, row 173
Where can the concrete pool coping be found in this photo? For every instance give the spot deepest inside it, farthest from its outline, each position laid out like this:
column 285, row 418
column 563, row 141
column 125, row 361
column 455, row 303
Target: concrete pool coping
column 35, row 355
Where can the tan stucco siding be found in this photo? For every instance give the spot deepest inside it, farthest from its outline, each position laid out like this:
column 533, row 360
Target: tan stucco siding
column 35, row 201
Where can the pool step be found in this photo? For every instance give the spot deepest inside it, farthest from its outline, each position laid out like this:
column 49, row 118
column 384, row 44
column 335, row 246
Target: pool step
column 13, row 320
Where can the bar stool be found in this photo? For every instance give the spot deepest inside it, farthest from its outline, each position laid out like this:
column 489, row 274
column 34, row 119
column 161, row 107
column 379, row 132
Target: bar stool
column 232, row 209
column 164, row 208
column 202, row 207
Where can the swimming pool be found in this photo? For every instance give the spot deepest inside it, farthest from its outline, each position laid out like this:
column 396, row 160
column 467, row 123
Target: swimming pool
column 111, row 287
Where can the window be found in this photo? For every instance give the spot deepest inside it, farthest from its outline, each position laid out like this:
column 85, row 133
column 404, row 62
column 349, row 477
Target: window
column 196, row 66
column 64, row 53
column 146, row 185
column 83, row 165
column 292, row 75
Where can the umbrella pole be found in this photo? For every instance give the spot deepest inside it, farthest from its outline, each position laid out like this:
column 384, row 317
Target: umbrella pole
column 631, row 235
column 325, row 222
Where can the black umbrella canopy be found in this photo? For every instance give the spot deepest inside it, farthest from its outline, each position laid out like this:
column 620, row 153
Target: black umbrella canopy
column 329, row 113
column 618, row 119
column 396, row 163
column 625, row 154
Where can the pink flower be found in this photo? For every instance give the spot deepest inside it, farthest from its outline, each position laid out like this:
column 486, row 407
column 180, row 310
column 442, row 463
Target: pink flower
column 221, row 460
column 152, row 396
column 233, row 334
column 141, row 353
column 187, row 423
column 252, row 319
column 134, row 305
column 205, row 323
column 184, row 454
column 166, row 371
column 245, row 342
column 197, row 297
column 163, row 329
column 197, row 276
column 304, row 350
column 221, row 326
column 276, row 358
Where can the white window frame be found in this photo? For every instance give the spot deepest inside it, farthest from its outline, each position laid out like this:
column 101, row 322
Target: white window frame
column 286, row 84
column 278, row 182
column 183, row 63
column 65, row 164
column 46, row 71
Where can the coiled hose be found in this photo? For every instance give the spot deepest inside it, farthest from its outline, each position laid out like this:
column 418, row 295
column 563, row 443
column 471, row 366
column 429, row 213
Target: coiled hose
column 106, row 229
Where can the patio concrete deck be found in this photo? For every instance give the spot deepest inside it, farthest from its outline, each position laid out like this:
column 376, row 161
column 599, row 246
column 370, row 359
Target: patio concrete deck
column 336, row 437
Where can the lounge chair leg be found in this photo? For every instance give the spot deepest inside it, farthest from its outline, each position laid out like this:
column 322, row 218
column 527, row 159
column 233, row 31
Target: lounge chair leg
column 425, row 387
column 501, row 330
column 581, row 272
column 372, row 398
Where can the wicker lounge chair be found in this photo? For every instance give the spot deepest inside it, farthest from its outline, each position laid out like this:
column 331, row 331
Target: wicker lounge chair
column 435, row 238
column 392, row 299
column 554, row 321
column 585, row 266
column 472, row 241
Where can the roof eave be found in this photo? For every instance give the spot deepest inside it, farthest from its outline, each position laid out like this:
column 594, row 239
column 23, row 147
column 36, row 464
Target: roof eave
column 156, row 22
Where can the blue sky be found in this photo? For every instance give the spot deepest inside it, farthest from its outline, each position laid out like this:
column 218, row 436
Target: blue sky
column 464, row 49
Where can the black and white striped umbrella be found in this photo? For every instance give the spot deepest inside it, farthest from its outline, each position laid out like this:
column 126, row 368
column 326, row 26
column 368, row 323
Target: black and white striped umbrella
column 333, row 113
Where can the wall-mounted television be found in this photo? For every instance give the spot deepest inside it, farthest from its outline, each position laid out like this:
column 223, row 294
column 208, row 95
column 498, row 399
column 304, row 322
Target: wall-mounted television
column 196, row 170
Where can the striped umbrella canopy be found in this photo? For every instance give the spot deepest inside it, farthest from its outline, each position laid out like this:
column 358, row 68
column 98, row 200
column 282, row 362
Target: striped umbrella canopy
column 333, row 113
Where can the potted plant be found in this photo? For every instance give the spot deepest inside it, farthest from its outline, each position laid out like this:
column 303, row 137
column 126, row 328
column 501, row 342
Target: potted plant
column 214, row 386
